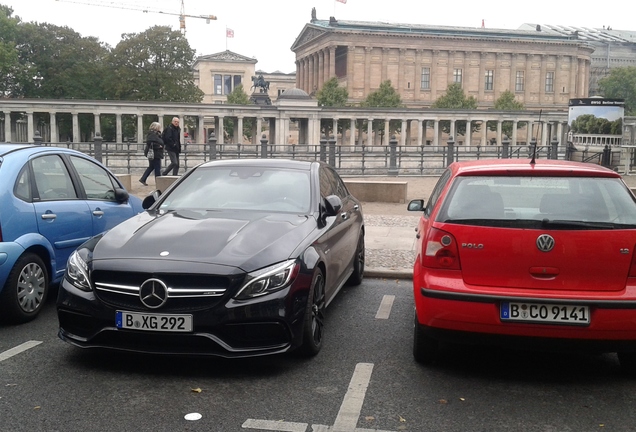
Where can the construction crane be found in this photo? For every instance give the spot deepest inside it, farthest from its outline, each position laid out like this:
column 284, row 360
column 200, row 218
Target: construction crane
column 118, row 5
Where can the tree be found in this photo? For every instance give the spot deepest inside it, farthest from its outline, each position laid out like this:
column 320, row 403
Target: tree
column 507, row 102
column 153, row 65
column 331, row 95
column 238, row 97
column 385, row 97
column 621, row 84
column 456, row 99
column 11, row 70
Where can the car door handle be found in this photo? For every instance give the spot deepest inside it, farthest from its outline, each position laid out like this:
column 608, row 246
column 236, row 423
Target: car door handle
column 47, row 216
column 98, row 213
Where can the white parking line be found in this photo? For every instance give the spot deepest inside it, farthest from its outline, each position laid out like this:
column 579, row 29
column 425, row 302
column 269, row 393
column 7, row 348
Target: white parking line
column 347, row 417
column 17, row 350
column 385, row 307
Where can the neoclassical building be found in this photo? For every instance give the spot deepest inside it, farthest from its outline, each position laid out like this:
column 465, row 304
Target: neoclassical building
column 543, row 70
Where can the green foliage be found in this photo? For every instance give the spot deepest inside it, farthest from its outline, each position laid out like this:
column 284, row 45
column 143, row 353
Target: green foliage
column 238, row 97
column 621, row 84
column 590, row 124
column 332, row 95
column 153, row 65
column 11, row 71
column 384, row 97
column 507, row 102
column 456, row 99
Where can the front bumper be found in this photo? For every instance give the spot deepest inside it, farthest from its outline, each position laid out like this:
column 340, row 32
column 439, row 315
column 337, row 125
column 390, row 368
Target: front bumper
column 270, row 324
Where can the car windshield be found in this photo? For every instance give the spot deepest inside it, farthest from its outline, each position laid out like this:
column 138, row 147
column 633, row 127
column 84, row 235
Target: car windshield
column 526, row 202
column 242, row 188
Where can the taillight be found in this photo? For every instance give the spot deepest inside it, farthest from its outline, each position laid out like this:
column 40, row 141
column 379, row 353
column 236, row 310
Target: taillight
column 440, row 250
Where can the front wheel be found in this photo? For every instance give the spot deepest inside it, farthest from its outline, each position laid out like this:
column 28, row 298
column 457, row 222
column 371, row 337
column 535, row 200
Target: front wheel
column 313, row 326
column 25, row 290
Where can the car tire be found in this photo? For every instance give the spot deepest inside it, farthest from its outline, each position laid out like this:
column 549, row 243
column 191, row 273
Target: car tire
column 358, row 263
column 25, row 290
column 628, row 363
column 313, row 327
column 425, row 348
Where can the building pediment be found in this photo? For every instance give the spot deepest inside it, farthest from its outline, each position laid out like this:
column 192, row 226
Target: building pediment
column 226, row 56
column 308, row 34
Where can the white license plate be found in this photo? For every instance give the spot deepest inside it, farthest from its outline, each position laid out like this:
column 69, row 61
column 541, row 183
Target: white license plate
column 153, row 322
column 545, row 313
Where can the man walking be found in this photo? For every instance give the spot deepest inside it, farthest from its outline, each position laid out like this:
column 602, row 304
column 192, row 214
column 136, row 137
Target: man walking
column 172, row 143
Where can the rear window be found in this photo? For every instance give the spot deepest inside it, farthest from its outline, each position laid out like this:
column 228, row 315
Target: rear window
column 525, row 201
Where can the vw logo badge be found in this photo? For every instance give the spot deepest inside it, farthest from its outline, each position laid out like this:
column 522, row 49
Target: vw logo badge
column 153, row 293
column 545, row 242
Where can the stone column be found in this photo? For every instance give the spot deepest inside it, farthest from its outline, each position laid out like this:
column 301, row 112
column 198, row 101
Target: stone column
column 98, row 124
column 55, row 136
column 118, row 127
column 573, row 66
column 30, row 126
column 351, row 53
column 239, row 131
column 434, row 77
column 367, row 70
column 259, row 128
column 386, row 52
column 544, row 133
column 201, row 138
column 452, row 130
column 310, row 87
column 529, row 131
column 219, row 130
column 321, row 69
column 298, row 74
column 499, row 129
column 436, row 132
column 334, row 128
column 527, row 80
column 417, row 85
column 514, row 132
column 370, row 132
column 513, row 72
column 542, row 78
column 483, row 58
column 449, row 68
column 76, row 129
column 7, row 126
column 581, row 90
column 404, row 133
column 469, row 133
column 387, row 132
column 352, row 131
column 332, row 62
column 400, row 84
column 140, row 128
column 484, row 132
column 424, row 126
column 418, row 124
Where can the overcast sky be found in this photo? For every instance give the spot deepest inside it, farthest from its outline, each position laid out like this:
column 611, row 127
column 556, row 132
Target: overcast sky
column 266, row 29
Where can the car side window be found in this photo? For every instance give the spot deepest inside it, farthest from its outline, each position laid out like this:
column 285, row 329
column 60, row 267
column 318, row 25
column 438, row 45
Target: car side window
column 96, row 181
column 22, row 188
column 52, row 179
column 340, row 187
column 437, row 190
column 327, row 182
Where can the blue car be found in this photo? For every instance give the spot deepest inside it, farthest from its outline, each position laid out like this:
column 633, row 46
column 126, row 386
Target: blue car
column 51, row 201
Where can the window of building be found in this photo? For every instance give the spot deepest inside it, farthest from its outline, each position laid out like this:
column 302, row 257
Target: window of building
column 457, row 76
column 519, row 82
column 227, row 87
column 549, row 82
column 489, row 79
column 426, row 78
column 218, row 84
column 237, row 81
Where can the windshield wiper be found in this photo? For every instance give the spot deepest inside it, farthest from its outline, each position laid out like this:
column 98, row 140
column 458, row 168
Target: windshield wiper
column 547, row 223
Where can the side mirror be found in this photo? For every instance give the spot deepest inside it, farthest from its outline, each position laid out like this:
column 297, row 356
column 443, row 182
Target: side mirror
column 121, row 195
column 151, row 199
column 416, row 205
column 333, row 205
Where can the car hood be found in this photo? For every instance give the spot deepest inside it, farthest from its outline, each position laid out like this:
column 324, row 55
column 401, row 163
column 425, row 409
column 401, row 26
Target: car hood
column 247, row 240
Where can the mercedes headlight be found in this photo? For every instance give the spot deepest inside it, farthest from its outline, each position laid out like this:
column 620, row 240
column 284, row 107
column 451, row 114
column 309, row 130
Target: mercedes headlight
column 77, row 272
column 268, row 280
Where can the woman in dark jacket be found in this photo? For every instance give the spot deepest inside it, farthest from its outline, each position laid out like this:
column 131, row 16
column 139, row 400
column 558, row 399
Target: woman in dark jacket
column 155, row 142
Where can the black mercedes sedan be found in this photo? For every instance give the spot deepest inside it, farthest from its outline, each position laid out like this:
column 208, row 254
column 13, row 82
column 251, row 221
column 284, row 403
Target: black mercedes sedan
column 237, row 258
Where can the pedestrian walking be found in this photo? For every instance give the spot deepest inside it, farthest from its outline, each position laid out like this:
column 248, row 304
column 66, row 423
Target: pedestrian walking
column 154, row 148
column 172, row 141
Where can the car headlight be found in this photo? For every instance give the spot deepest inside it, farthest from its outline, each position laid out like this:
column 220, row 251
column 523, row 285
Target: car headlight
column 268, row 280
column 77, row 272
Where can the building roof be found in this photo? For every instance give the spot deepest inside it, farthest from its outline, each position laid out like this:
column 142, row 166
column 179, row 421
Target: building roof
column 583, row 33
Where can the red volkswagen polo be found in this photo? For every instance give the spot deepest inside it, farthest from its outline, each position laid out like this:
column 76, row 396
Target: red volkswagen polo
column 515, row 252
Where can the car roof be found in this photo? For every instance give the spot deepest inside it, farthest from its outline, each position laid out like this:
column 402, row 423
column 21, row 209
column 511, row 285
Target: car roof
column 271, row 163
column 7, row 147
column 523, row 167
